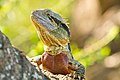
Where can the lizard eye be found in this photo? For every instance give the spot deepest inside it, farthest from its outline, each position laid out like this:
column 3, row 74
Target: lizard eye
column 48, row 14
column 50, row 19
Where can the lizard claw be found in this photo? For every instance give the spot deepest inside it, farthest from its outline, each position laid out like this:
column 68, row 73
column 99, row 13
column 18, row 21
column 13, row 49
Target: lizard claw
column 76, row 76
column 79, row 70
column 36, row 60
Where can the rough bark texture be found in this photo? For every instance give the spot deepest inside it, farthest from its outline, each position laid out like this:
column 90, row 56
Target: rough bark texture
column 15, row 66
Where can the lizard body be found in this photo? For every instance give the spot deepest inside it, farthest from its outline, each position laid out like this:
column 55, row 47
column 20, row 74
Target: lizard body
column 55, row 35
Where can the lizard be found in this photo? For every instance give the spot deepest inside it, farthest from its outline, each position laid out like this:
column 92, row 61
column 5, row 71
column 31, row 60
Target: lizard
column 55, row 35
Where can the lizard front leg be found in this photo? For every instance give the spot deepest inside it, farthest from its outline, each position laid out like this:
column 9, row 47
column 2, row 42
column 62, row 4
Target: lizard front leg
column 37, row 61
column 78, row 69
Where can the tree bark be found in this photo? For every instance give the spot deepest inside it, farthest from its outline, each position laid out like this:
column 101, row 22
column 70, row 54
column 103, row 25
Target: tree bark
column 15, row 66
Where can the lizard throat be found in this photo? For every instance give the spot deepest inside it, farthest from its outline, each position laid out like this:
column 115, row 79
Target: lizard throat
column 54, row 50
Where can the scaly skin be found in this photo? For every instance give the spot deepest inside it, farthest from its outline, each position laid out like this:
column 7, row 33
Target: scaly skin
column 55, row 35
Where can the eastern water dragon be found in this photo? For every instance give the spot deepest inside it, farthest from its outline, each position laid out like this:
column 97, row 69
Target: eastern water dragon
column 55, row 35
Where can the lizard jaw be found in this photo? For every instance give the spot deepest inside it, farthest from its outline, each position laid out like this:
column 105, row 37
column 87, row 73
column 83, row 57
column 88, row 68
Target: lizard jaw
column 45, row 36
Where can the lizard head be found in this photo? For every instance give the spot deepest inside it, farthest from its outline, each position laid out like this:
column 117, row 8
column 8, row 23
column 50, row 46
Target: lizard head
column 51, row 27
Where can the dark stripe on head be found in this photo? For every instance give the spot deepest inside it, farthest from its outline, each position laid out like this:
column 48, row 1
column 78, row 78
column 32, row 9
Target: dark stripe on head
column 66, row 28
column 69, row 47
column 62, row 25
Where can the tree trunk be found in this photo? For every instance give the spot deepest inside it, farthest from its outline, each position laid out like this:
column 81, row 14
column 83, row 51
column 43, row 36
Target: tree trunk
column 15, row 66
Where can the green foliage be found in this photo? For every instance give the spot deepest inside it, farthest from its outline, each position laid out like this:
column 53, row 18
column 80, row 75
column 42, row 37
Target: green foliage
column 16, row 24
column 37, row 50
column 90, row 59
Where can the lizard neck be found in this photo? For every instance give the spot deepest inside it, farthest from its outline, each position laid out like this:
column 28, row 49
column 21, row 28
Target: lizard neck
column 54, row 50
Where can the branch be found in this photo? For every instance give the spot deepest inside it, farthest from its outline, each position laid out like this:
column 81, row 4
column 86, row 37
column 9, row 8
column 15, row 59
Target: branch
column 15, row 66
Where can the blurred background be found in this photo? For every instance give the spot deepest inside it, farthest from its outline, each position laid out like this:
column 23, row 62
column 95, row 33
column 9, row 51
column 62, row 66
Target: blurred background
column 94, row 26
